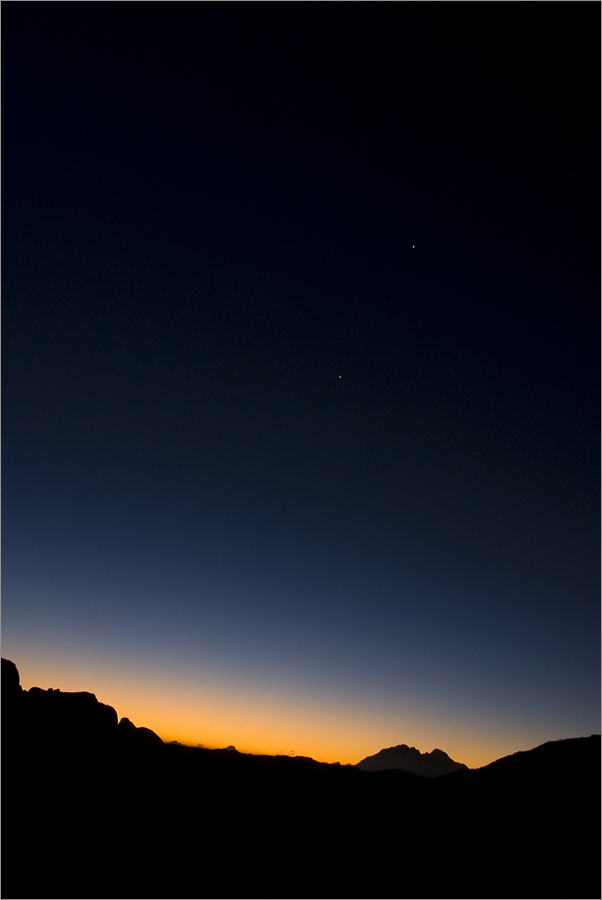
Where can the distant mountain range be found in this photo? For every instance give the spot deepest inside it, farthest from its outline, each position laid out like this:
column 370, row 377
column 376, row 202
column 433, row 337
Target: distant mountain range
column 409, row 759
column 94, row 807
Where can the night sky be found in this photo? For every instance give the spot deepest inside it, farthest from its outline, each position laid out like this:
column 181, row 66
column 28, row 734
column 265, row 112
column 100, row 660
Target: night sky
column 301, row 378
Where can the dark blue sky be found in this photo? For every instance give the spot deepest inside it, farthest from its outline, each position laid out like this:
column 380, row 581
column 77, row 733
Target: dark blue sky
column 301, row 369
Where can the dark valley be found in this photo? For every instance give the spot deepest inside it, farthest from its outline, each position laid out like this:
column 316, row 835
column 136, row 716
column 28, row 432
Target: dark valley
column 96, row 807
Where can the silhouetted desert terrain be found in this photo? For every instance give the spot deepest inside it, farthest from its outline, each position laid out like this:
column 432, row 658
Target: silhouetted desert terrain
column 96, row 807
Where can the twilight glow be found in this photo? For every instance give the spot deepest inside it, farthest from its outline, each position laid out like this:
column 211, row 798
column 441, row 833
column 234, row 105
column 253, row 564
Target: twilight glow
column 301, row 381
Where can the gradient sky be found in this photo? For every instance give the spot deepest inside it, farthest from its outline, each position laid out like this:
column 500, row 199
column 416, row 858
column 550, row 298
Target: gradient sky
column 301, row 370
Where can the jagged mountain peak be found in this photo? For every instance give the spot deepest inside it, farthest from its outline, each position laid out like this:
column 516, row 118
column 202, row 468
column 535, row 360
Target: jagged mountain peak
column 410, row 759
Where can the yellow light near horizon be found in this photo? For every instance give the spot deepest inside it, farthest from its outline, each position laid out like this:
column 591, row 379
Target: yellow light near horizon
column 204, row 708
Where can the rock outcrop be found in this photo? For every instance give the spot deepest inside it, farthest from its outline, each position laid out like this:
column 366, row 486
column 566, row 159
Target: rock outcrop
column 11, row 681
column 58, row 719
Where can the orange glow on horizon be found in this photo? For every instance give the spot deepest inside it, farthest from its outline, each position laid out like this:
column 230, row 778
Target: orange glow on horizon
column 200, row 708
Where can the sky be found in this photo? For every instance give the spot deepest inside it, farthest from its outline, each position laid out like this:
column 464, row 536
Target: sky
column 301, row 380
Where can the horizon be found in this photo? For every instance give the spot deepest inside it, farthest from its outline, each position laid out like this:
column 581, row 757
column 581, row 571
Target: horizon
column 189, row 738
column 301, row 371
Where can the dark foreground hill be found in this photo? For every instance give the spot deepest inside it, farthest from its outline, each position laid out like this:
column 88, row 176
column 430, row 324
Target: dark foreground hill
column 409, row 759
column 93, row 807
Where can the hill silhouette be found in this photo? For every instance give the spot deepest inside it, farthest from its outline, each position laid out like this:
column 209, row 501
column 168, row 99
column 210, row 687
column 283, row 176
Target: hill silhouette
column 409, row 759
column 96, row 807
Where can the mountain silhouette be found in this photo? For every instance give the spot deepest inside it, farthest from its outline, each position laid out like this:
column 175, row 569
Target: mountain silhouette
column 58, row 717
column 409, row 759
column 95, row 807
